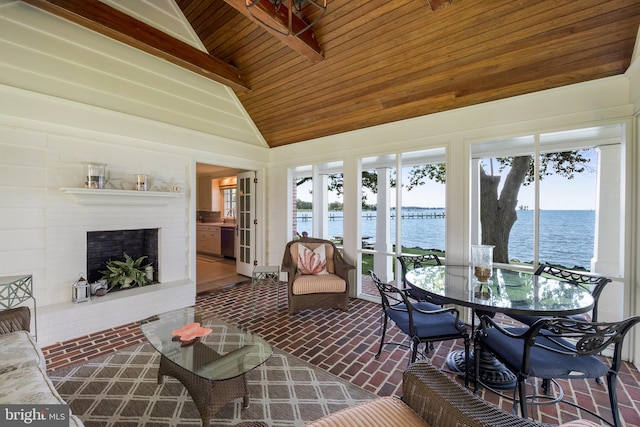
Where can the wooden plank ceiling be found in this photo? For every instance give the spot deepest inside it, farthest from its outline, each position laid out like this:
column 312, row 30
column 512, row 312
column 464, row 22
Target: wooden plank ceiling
column 391, row 60
column 383, row 61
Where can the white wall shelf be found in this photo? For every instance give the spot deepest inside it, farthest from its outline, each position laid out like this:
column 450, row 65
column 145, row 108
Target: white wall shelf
column 93, row 197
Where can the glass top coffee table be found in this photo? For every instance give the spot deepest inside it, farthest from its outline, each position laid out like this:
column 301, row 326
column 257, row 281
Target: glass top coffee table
column 211, row 367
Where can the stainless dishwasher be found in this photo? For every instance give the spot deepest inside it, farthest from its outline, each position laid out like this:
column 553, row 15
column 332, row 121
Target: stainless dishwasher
column 227, row 242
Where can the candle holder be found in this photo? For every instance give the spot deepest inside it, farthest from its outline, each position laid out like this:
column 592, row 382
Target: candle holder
column 94, row 173
column 141, row 182
column 148, row 272
column 482, row 263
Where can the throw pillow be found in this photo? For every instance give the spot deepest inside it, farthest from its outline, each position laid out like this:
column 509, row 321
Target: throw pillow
column 312, row 262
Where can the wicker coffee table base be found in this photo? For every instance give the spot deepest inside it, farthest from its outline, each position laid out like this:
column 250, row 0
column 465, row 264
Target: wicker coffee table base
column 209, row 396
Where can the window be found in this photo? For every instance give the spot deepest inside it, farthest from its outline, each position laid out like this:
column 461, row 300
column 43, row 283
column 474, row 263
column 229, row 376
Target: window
column 417, row 227
column 539, row 198
column 302, row 201
column 317, row 200
column 422, row 198
column 229, row 196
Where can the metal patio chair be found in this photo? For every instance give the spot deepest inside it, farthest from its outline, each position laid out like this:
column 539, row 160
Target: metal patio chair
column 556, row 348
column 592, row 283
column 422, row 322
column 411, row 262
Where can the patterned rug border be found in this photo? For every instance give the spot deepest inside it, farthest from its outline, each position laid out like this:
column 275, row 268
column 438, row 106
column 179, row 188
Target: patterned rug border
column 120, row 390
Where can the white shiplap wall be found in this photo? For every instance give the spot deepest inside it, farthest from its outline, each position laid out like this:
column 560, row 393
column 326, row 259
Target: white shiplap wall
column 42, row 53
column 43, row 229
column 164, row 15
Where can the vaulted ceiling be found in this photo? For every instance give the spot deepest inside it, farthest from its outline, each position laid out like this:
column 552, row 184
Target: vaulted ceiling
column 384, row 61
column 391, row 60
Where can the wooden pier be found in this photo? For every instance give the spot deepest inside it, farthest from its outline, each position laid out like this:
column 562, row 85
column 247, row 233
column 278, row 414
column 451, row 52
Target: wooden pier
column 365, row 215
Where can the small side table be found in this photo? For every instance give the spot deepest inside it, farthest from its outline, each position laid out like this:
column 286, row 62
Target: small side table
column 268, row 274
column 15, row 290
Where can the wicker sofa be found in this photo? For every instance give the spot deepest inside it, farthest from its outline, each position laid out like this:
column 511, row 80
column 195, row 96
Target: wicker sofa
column 329, row 289
column 23, row 375
column 430, row 398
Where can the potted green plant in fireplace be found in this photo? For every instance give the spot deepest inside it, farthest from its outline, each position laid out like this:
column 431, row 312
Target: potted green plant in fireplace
column 127, row 273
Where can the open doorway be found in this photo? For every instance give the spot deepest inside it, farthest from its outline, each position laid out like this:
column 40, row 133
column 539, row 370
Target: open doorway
column 217, row 228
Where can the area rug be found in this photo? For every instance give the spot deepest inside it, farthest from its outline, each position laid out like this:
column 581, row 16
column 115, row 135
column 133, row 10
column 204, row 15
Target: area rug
column 121, row 389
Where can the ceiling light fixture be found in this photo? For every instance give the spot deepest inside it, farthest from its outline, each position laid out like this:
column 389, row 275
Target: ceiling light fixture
column 283, row 13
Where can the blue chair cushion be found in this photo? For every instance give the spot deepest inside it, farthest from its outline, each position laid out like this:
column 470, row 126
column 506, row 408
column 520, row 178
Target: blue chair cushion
column 426, row 306
column 426, row 325
column 543, row 363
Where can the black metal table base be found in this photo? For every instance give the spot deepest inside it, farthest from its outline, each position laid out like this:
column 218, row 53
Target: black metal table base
column 493, row 374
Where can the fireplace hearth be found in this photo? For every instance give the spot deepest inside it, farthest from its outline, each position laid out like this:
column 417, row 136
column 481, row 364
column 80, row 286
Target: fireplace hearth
column 103, row 246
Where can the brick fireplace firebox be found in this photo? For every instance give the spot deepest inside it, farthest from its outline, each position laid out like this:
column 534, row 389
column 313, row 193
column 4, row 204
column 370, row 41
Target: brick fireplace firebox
column 103, row 246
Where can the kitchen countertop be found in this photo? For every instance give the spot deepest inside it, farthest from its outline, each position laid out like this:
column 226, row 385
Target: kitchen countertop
column 220, row 224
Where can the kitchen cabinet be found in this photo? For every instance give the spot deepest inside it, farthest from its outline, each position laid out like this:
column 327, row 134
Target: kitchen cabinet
column 208, row 239
column 208, row 195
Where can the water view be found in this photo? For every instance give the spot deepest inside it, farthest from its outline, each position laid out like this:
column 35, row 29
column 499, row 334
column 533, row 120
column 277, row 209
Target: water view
column 566, row 236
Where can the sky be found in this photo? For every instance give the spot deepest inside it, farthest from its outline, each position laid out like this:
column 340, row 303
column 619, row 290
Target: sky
column 556, row 193
column 559, row 193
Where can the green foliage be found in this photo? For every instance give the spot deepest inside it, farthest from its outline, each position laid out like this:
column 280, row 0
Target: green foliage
column 435, row 172
column 565, row 164
column 367, row 259
column 336, row 206
column 302, row 205
column 125, row 273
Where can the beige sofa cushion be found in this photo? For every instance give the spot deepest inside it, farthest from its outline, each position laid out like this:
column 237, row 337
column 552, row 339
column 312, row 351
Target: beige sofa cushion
column 381, row 412
column 328, row 252
column 30, row 385
column 19, row 350
column 305, row 284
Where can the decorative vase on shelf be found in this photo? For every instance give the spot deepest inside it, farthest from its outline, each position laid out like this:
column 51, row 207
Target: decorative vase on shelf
column 94, row 174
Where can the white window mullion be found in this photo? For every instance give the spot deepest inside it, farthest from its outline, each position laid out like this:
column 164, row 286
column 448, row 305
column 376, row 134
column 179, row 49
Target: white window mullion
column 536, row 198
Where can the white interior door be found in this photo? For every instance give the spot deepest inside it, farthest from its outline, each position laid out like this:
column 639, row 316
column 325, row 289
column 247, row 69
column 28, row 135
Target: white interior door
column 246, row 238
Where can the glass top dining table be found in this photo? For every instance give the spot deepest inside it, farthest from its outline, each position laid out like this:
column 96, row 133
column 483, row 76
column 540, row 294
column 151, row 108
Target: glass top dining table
column 512, row 291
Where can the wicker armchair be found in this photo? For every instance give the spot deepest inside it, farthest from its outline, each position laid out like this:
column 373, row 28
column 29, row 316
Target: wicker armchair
column 307, row 291
column 15, row 319
column 431, row 396
column 443, row 402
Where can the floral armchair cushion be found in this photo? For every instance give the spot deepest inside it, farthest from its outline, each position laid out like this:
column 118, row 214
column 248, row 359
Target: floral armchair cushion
column 312, row 261
column 312, row 258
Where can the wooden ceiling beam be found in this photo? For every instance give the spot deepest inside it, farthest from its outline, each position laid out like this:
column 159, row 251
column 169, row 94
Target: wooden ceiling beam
column 104, row 19
column 438, row 4
column 305, row 43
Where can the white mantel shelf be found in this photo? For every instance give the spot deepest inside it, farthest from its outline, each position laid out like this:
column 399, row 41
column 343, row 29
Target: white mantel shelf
column 94, row 197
